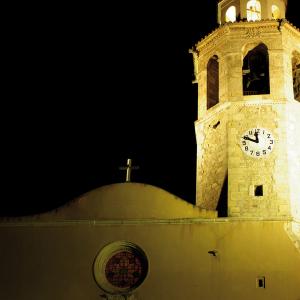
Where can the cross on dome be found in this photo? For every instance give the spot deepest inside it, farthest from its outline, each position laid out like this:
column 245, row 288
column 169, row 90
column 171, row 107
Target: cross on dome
column 128, row 169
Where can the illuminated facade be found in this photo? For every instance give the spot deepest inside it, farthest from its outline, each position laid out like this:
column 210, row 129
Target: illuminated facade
column 248, row 114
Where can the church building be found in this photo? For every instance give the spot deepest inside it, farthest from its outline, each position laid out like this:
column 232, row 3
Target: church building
column 241, row 239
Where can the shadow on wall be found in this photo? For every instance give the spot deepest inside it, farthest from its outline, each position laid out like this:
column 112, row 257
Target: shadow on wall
column 222, row 206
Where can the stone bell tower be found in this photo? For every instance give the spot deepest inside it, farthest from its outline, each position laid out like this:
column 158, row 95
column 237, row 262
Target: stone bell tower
column 248, row 127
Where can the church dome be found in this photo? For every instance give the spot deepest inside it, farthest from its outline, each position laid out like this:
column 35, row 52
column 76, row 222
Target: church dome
column 126, row 201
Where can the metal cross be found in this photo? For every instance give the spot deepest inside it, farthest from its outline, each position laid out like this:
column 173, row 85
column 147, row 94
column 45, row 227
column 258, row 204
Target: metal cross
column 128, row 169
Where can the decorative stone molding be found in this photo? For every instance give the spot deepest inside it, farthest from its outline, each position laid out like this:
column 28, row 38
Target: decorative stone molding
column 253, row 29
column 195, row 54
column 211, row 39
column 293, row 30
column 253, row 32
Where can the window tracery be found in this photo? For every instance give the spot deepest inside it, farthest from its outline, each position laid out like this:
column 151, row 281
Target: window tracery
column 120, row 267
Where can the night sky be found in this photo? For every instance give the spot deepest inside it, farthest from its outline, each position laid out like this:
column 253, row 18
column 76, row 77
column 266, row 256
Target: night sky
column 88, row 86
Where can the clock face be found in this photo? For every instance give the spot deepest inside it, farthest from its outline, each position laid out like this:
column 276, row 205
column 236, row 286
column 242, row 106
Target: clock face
column 257, row 142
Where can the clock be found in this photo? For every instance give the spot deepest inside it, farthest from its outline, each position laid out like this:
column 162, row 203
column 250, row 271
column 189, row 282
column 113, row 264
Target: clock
column 257, row 142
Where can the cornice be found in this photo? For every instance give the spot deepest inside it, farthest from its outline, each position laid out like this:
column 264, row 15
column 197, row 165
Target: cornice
column 67, row 223
column 212, row 37
column 246, row 29
column 291, row 28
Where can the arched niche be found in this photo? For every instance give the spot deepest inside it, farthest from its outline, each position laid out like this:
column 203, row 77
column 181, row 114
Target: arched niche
column 296, row 75
column 253, row 10
column 230, row 15
column 212, row 82
column 256, row 79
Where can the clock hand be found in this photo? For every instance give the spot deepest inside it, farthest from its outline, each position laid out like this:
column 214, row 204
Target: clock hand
column 249, row 139
column 256, row 137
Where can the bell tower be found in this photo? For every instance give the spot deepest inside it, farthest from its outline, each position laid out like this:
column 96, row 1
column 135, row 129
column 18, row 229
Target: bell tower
column 248, row 127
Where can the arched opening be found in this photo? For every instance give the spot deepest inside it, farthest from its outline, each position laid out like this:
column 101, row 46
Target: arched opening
column 275, row 12
column 230, row 15
column 212, row 82
column 253, row 10
column 256, row 80
column 296, row 76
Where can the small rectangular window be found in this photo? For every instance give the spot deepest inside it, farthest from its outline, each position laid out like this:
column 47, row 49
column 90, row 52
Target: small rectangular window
column 258, row 190
column 261, row 282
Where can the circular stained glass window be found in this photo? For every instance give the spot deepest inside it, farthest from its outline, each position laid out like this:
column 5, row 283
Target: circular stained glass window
column 124, row 269
column 120, row 267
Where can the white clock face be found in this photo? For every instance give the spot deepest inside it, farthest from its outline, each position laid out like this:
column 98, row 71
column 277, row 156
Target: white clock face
column 257, row 142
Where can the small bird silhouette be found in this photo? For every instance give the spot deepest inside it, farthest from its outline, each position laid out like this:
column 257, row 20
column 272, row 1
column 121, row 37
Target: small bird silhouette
column 213, row 252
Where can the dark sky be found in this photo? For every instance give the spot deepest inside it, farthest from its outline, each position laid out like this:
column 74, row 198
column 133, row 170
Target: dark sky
column 87, row 86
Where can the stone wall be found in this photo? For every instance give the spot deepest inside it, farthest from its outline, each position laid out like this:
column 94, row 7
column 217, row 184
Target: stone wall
column 245, row 172
column 293, row 148
column 54, row 260
column 211, row 157
column 219, row 149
